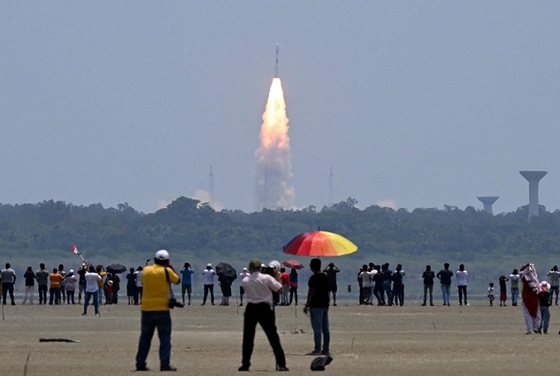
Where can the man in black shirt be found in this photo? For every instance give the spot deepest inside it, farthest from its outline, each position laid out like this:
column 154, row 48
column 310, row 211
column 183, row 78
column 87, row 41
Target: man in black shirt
column 82, row 282
column 428, row 276
column 378, row 280
column 444, row 277
column 318, row 306
column 331, row 271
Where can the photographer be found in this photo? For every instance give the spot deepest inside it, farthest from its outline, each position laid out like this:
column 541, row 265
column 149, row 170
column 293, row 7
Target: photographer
column 157, row 281
column 258, row 290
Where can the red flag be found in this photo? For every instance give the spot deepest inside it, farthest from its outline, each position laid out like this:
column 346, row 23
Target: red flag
column 75, row 250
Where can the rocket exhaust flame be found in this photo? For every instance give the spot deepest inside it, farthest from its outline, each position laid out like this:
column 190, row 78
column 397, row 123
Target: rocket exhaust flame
column 274, row 167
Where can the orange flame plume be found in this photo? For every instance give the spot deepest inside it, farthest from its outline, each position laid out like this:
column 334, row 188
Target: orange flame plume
column 274, row 166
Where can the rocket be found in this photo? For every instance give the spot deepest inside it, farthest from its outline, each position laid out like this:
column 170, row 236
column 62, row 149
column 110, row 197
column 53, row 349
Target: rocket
column 276, row 66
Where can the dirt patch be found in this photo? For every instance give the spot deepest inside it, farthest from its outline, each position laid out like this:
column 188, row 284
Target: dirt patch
column 206, row 340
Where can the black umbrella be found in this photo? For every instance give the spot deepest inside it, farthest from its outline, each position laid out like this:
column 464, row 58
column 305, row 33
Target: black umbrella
column 116, row 268
column 226, row 271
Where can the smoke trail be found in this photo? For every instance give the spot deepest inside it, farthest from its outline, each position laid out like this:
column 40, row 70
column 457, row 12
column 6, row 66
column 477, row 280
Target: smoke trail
column 274, row 167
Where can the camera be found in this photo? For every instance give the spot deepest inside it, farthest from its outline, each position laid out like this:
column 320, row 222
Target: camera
column 270, row 271
column 174, row 303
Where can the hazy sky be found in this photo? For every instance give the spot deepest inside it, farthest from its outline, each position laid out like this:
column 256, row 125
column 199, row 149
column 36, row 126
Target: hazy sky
column 426, row 103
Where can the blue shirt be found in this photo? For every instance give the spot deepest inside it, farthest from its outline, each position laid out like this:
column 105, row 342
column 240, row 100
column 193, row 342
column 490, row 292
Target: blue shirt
column 186, row 279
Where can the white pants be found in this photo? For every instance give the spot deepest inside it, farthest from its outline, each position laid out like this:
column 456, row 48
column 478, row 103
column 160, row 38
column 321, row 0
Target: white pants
column 533, row 323
column 29, row 291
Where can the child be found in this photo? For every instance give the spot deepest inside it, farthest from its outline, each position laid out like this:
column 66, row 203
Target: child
column 544, row 303
column 491, row 294
column 503, row 290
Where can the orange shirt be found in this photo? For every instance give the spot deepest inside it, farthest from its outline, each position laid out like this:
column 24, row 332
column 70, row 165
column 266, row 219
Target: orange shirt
column 55, row 280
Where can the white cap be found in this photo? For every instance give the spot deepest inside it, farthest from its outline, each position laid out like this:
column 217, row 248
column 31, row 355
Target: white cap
column 71, row 271
column 209, row 265
column 162, row 254
column 244, row 269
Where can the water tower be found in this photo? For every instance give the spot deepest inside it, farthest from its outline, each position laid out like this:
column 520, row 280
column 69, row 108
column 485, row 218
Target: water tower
column 488, row 201
column 533, row 177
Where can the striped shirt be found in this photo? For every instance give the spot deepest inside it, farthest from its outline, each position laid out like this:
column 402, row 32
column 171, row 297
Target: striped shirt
column 554, row 278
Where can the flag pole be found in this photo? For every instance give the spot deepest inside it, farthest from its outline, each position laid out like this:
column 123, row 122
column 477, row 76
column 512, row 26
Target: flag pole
column 76, row 252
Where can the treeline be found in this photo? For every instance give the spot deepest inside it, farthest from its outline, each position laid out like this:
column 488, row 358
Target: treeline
column 194, row 230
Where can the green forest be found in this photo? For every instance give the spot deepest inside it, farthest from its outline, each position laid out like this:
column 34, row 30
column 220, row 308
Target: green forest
column 488, row 245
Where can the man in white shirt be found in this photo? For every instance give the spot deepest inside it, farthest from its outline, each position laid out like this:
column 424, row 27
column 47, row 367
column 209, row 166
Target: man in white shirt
column 462, row 283
column 92, row 278
column 208, row 278
column 365, row 278
column 9, row 279
column 259, row 288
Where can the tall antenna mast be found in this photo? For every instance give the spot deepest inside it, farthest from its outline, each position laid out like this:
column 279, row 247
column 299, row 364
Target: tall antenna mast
column 330, row 188
column 265, row 189
column 211, row 188
column 276, row 69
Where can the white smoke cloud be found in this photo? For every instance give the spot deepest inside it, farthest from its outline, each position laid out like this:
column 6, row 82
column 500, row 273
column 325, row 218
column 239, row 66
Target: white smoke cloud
column 200, row 195
column 162, row 204
column 205, row 196
column 388, row 203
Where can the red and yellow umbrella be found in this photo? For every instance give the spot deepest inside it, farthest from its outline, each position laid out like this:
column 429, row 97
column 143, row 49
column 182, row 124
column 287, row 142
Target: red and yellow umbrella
column 320, row 243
